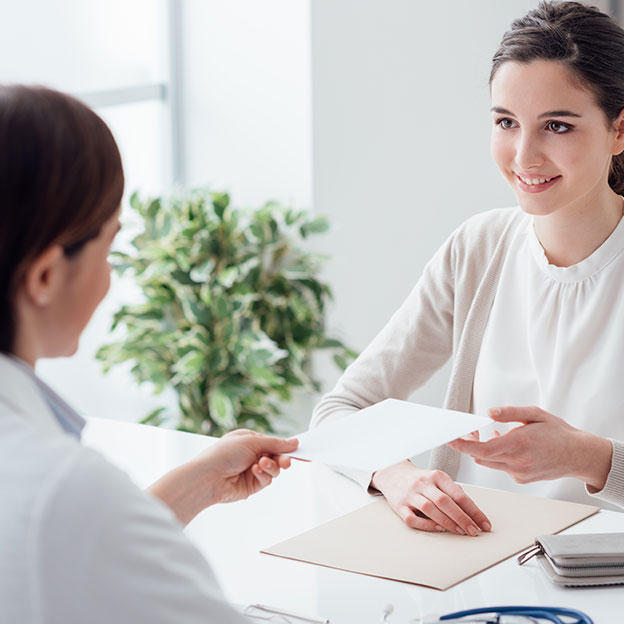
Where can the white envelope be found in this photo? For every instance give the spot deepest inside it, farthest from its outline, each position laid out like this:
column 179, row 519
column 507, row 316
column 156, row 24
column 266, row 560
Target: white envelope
column 384, row 434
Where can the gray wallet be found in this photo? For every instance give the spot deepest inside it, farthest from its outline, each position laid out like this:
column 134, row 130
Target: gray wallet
column 580, row 560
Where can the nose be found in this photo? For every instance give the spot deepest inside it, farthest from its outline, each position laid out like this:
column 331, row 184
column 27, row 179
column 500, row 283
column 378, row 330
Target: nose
column 528, row 151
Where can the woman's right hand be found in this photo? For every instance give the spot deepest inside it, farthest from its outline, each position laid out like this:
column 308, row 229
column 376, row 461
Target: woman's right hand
column 429, row 500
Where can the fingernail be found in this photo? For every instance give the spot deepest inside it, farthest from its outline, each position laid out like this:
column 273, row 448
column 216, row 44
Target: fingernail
column 439, row 528
column 495, row 411
column 473, row 531
column 487, row 526
column 460, row 530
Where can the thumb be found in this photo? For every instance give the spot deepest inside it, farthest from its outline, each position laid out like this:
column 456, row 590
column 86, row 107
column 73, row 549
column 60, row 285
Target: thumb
column 517, row 414
column 275, row 446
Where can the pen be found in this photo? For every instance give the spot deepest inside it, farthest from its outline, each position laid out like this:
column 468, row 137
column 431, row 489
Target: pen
column 275, row 611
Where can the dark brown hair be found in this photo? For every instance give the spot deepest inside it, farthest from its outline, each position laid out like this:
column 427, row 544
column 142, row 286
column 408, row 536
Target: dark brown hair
column 61, row 179
column 588, row 42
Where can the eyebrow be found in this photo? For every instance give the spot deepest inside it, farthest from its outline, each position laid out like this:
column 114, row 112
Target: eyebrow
column 552, row 113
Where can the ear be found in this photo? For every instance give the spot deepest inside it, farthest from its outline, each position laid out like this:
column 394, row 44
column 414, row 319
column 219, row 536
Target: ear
column 44, row 276
column 618, row 125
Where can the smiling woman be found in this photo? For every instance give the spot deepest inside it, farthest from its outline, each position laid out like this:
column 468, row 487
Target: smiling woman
column 528, row 301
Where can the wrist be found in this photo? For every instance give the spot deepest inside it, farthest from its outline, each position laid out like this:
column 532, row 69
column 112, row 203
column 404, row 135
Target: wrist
column 596, row 453
column 380, row 478
column 187, row 490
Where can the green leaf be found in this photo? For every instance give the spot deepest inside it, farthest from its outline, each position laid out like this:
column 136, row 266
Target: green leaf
column 190, row 364
column 340, row 361
column 154, row 417
column 267, row 375
column 221, row 408
column 220, row 202
column 316, row 226
column 203, row 272
column 220, row 306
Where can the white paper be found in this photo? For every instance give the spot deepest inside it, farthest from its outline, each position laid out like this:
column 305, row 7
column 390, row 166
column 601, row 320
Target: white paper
column 384, row 434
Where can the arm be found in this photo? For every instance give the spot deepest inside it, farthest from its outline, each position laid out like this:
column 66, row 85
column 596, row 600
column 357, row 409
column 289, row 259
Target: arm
column 240, row 464
column 415, row 343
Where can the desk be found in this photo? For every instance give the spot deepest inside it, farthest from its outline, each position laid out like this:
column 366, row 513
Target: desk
column 303, row 497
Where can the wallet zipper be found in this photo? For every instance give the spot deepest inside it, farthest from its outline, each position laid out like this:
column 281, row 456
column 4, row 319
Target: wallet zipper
column 538, row 550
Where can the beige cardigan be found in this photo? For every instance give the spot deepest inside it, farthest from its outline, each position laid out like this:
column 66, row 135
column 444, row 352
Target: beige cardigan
column 445, row 315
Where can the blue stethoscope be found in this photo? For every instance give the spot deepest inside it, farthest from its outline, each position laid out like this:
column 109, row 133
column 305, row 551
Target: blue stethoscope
column 493, row 615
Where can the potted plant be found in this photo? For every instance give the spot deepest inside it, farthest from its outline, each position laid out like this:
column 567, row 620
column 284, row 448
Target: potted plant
column 232, row 309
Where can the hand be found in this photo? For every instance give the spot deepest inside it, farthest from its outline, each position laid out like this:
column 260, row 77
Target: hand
column 240, row 464
column 545, row 447
column 429, row 500
column 244, row 462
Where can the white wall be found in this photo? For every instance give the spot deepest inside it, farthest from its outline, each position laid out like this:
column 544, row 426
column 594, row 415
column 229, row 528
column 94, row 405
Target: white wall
column 401, row 144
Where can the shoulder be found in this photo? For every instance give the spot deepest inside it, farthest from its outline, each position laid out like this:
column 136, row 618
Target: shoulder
column 488, row 227
column 472, row 247
column 480, row 242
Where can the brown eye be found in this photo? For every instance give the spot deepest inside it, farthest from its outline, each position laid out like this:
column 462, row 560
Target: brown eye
column 505, row 123
column 557, row 127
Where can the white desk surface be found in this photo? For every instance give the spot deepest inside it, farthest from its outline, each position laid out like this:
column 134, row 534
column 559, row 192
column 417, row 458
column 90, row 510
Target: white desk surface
column 306, row 495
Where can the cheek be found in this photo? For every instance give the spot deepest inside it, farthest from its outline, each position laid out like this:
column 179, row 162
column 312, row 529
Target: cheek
column 501, row 150
column 584, row 156
column 105, row 280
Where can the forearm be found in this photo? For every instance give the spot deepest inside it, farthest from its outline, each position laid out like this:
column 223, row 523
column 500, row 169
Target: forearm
column 186, row 490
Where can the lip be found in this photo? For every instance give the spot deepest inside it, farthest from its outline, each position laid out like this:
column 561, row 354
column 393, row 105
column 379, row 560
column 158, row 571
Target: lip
column 535, row 188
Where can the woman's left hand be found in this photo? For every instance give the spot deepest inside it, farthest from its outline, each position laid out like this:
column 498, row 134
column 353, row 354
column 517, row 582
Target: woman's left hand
column 545, row 447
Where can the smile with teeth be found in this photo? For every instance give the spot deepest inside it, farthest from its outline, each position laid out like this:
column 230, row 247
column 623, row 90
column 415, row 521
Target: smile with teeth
column 535, row 181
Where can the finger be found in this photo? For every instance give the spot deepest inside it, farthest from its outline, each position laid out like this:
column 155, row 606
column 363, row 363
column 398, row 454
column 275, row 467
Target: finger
column 495, row 447
column 465, row 503
column 262, row 477
column 471, row 437
column 269, row 466
column 417, row 522
column 283, row 461
column 512, row 413
column 274, row 446
column 496, row 465
column 432, row 506
column 458, row 520
column 518, row 475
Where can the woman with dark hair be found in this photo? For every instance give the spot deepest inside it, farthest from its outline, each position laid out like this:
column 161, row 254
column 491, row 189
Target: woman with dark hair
column 527, row 301
column 79, row 542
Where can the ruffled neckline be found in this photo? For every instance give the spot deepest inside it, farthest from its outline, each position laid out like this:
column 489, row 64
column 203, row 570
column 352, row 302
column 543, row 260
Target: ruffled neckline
column 587, row 267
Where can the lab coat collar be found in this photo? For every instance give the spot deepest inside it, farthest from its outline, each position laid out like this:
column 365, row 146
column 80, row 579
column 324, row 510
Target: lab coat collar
column 20, row 394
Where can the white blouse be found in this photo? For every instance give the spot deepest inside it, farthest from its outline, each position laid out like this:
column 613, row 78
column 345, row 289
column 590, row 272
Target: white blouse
column 555, row 339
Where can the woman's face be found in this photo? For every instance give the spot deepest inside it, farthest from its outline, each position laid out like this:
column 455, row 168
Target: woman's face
column 550, row 139
column 86, row 282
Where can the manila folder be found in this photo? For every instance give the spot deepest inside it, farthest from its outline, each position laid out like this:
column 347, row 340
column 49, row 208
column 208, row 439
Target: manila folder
column 372, row 540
